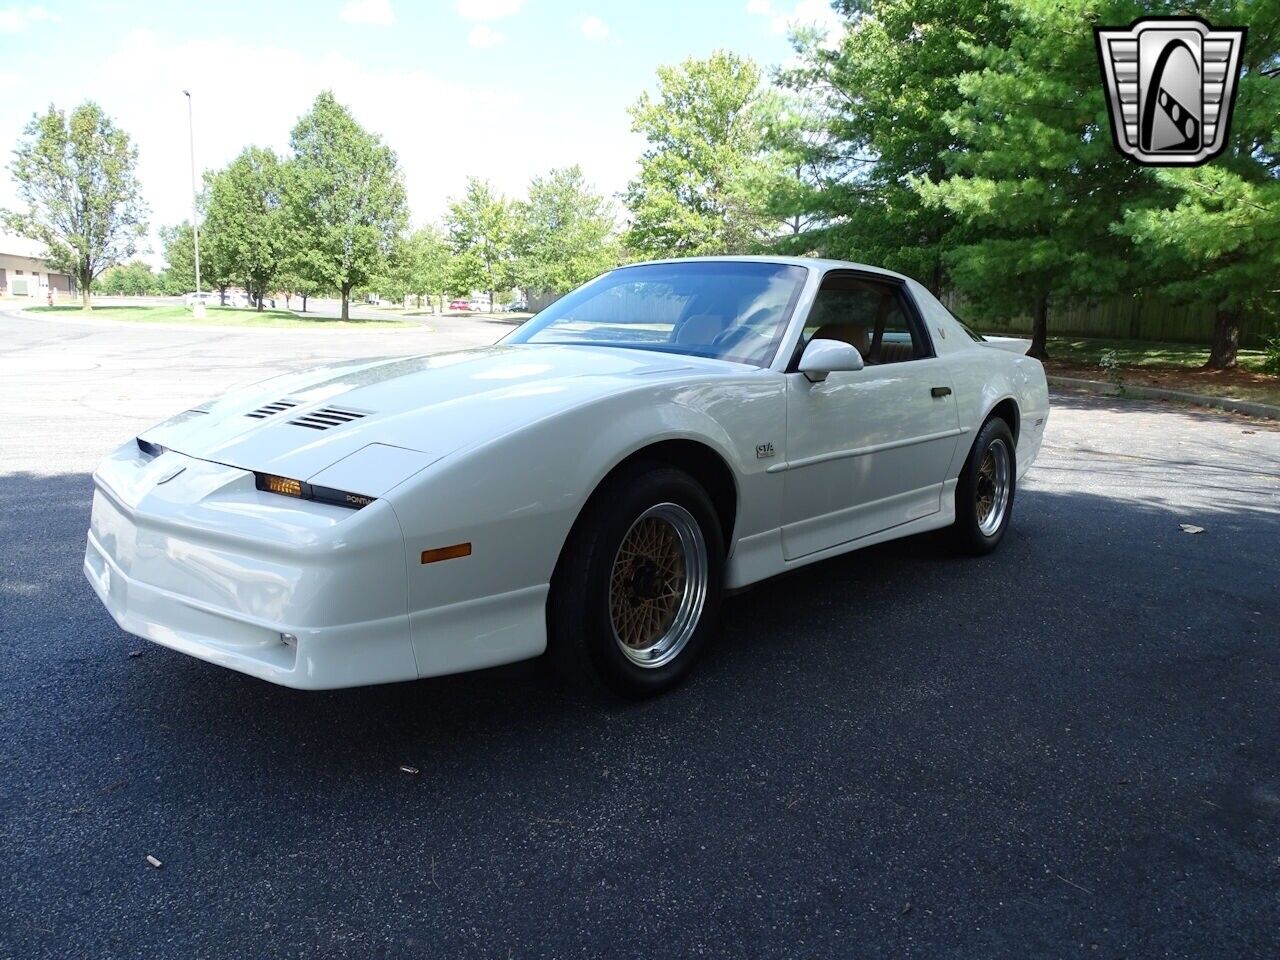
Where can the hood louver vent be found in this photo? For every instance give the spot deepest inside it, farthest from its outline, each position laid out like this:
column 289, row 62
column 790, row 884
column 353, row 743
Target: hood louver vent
column 326, row 418
column 271, row 409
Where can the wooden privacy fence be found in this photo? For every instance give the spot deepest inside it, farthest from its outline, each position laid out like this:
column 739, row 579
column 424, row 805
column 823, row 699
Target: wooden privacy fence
column 1142, row 317
column 1138, row 317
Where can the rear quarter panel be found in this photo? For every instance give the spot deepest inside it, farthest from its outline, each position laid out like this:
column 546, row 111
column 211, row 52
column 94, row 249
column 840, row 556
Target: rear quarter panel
column 985, row 376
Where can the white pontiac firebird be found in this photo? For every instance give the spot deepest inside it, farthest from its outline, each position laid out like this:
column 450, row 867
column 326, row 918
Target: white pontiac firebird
column 588, row 487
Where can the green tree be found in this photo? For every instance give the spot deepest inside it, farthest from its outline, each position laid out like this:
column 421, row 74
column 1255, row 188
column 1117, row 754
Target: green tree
column 302, row 264
column 1216, row 238
column 299, row 284
column 77, row 177
column 565, row 233
column 882, row 96
column 698, row 187
column 391, row 281
column 244, row 220
column 480, row 227
column 133, row 279
column 345, row 199
column 215, row 254
column 179, row 274
column 217, row 249
column 1035, row 181
column 424, row 263
column 800, row 161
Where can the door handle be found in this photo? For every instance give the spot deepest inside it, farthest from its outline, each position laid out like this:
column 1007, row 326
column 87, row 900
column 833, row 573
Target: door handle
column 940, row 392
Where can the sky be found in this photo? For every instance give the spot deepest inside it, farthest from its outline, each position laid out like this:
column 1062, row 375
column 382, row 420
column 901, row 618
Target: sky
column 500, row 89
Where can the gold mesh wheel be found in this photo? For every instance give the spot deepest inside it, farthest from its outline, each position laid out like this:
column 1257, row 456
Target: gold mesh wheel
column 658, row 585
column 991, row 492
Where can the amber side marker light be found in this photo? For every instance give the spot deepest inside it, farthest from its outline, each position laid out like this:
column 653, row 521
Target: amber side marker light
column 446, row 553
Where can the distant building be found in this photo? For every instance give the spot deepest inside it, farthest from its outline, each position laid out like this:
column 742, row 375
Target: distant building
column 25, row 272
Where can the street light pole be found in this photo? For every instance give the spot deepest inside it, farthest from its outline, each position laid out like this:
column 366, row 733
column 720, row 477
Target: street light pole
column 195, row 205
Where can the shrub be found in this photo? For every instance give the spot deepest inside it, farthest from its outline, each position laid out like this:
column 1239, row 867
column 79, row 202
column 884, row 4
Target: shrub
column 1271, row 356
column 1110, row 362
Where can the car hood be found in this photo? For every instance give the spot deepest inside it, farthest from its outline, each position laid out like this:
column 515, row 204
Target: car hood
column 298, row 424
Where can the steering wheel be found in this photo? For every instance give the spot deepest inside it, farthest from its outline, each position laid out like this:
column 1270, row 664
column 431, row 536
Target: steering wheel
column 730, row 338
column 740, row 331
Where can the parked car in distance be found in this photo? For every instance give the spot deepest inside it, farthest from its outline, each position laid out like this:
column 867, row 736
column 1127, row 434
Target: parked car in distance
column 589, row 487
column 478, row 306
column 459, row 305
column 234, row 299
column 208, row 299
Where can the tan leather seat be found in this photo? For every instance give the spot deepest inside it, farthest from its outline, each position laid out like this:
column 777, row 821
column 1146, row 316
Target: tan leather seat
column 895, row 352
column 854, row 334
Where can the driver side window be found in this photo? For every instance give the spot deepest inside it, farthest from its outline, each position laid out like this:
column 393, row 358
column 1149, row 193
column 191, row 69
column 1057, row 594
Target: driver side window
column 866, row 314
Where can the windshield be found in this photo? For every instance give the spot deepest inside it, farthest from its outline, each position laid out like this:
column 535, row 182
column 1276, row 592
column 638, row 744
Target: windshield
column 729, row 310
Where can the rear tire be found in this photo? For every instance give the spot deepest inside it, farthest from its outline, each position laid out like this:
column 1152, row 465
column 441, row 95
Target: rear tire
column 984, row 494
column 636, row 593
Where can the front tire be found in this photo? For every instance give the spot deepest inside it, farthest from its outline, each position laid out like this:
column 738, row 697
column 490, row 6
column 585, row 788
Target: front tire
column 636, row 593
column 984, row 494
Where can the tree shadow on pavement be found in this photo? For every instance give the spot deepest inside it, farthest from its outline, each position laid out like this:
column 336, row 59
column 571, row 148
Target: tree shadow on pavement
column 1062, row 399
column 1082, row 723
column 1073, row 555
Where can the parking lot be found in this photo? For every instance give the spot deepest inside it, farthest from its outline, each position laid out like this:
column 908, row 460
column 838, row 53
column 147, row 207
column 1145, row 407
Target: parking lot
column 1068, row 748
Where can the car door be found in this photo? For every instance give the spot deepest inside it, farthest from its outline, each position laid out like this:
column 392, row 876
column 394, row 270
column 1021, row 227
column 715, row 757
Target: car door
column 869, row 449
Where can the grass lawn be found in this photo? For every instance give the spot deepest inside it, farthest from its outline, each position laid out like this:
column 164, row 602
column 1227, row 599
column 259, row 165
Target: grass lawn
column 496, row 315
column 1144, row 353
column 1173, row 366
column 216, row 317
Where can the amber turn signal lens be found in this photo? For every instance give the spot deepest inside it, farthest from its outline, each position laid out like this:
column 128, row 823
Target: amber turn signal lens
column 446, row 553
column 307, row 491
column 281, row 485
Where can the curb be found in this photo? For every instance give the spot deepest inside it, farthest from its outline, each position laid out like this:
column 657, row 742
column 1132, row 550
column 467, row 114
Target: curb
column 1099, row 388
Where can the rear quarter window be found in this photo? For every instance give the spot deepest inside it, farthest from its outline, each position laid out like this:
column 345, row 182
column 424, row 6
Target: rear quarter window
column 935, row 314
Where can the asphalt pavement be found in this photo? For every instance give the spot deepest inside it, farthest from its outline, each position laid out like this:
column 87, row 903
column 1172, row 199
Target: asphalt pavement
column 1069, row 748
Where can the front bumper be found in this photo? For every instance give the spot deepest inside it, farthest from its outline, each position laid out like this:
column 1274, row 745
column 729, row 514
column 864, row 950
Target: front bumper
column 206, row 564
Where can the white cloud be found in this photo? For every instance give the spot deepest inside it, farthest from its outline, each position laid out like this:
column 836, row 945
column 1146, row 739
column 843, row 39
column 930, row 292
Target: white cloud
column 374, row 12
column 806, row 14
column 816, row 12
column 488, row 9
column 593, row 28
column 18, row 19
column 484, row 36
column 226, row 77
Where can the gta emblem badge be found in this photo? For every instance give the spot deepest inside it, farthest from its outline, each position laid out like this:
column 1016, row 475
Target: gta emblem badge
column 1171, row 84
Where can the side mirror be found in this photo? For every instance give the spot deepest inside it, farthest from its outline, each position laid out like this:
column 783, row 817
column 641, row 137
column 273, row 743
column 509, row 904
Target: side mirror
column 821, row 357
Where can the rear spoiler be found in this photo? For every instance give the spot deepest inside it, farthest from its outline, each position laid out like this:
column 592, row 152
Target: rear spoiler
column 1012, row 344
